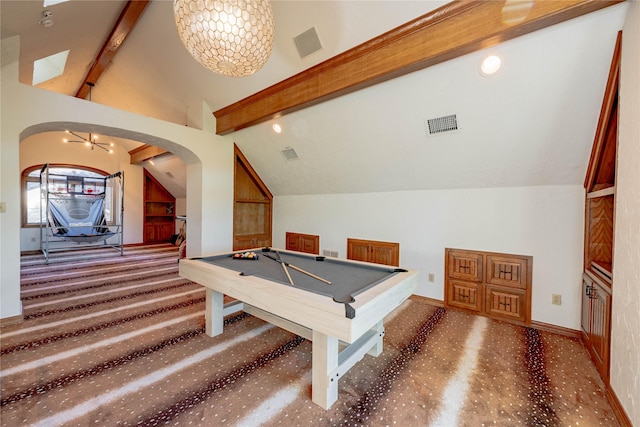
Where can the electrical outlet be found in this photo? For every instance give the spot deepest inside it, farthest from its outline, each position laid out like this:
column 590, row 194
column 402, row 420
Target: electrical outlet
column 432, row 277
column 33, row 240
column 3, row 207
column 556, row 299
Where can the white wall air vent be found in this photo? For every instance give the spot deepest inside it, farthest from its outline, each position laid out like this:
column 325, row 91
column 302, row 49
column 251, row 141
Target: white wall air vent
column 289, row 153
column 307, row 42
column 439, row 125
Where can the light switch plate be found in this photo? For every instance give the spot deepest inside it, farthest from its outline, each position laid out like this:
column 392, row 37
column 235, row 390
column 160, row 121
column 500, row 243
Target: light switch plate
column 3, row 207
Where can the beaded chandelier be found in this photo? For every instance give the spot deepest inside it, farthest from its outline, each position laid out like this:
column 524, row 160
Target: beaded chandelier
column 230, row 37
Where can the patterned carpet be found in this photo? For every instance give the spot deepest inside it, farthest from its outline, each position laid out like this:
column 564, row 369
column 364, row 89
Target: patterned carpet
column 110, row 340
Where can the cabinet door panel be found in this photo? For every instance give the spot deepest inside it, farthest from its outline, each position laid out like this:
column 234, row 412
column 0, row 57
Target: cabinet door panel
column 310, row 244
column 464, row 295
column 387, row 253
column 600, row 331
column 505, row 302
column 292, row 241
column 585, row 322
column 251, row 242
column 507, row 271
column 465, row 265
column 357, row 251
column 384, row 255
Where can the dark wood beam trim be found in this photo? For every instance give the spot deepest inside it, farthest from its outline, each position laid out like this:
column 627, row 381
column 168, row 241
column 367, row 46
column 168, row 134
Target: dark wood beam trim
column 127, row 20
column 453, row 30
column 610, row 93
column 145, row 152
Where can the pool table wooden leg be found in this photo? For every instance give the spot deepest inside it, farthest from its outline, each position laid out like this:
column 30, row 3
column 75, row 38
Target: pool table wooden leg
column 376, row 350
column 324, row 361
column 213, row 314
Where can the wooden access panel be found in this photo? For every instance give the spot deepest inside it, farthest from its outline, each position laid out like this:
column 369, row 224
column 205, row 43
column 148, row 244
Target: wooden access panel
column 505, row 302
column 465, row 265
column 308, row 243
column 387, row 253
column 507, row 271
column 464, row 295
column 493, row 284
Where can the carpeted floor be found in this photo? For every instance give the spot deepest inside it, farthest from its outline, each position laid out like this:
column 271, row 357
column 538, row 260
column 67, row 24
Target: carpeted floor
column 110, row 340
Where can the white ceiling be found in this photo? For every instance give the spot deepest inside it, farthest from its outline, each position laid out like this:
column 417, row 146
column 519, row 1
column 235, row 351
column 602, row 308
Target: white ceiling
column 532, row 124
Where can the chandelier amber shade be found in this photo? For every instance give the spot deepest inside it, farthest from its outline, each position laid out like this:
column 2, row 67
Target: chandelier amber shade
column 229, row 37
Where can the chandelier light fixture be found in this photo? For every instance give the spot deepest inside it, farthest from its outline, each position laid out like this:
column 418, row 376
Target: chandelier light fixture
column 90, row 142
column 229, row 37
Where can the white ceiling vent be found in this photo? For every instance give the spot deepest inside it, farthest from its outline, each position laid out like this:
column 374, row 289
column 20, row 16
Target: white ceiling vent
column 307, row 42
column 289, row 153
column 440, row 125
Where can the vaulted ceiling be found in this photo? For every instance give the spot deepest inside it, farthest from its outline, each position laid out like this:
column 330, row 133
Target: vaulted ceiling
column 530, row 124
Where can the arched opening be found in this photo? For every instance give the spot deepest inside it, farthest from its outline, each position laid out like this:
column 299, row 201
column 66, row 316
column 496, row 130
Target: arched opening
column 42, row 143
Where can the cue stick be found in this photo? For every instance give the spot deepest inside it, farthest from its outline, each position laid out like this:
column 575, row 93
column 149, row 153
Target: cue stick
column 297, row 268
column 284, row 267
column 308, row 274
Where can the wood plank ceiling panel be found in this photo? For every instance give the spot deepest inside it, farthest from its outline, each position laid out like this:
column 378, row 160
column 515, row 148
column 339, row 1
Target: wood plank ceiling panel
column 455, row 29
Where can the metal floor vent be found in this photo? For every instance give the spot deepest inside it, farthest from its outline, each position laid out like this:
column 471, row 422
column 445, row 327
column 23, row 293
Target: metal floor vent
column 289, row 153
column 307, row 42
column 441, row 124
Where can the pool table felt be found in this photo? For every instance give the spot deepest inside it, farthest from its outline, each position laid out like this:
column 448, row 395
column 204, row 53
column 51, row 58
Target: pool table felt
column 347, row 278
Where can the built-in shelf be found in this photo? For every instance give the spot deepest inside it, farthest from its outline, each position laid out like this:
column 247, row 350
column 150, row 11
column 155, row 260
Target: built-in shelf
column 600, row 204
column 159, row 211
column 252, row 208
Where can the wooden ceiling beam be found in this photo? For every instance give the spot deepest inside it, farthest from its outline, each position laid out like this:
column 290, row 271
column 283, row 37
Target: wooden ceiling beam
column 124, row 25
column 453, row 30
column 145, row 152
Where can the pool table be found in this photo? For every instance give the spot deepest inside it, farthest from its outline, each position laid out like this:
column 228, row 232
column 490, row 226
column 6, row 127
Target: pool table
column 337, row 304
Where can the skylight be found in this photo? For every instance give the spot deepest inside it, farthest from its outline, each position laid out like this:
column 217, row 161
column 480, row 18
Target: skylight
column 52, row 2
column 49, row 67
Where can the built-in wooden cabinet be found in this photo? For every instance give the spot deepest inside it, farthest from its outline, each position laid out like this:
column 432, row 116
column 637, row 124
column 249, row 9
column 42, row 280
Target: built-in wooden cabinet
column 493, row 284
column 159, row 211
column 387, row 253
column 600, row 186
column 596, row 318
column 252, row 207
column 309, row 243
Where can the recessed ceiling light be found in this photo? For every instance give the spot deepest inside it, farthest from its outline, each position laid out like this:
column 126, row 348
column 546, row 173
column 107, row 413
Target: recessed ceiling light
column 490, row 65
column 276, row 128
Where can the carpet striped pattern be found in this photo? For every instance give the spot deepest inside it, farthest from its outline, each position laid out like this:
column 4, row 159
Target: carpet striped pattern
column 109, row 340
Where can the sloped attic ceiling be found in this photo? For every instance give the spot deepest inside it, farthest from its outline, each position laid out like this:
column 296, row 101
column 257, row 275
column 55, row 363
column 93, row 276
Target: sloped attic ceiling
column 532, row 124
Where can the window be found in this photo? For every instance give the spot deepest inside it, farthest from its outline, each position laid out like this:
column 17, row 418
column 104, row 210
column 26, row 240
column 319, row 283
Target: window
column 62, row 178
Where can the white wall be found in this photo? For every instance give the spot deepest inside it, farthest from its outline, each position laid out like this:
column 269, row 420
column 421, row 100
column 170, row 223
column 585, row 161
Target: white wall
column 48, row 148
column 545, row 222
column 625, row 316
column 27, row 111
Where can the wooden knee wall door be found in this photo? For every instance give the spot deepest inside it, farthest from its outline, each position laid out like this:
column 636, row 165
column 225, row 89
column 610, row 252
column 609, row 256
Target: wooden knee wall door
column 492, row 284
